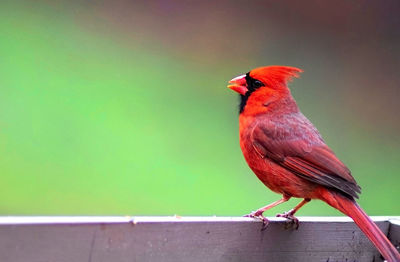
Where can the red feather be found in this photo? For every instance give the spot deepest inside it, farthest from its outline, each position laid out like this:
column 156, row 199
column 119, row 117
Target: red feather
column 275, row 75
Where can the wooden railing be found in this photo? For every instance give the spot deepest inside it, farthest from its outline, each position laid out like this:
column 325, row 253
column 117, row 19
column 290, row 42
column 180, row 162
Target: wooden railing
column 120, row 239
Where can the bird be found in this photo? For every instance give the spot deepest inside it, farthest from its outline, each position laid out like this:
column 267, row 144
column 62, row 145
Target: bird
column 288, row 154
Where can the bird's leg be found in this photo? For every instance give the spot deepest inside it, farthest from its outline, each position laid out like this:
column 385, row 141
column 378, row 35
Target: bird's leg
column 260, row 211
column 290, row 214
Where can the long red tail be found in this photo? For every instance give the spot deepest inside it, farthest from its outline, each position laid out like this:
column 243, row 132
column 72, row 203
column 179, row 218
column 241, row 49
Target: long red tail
column 370, row 229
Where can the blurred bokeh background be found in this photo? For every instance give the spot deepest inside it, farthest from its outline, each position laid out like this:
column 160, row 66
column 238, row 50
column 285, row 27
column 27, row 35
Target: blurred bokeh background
column 121, row 107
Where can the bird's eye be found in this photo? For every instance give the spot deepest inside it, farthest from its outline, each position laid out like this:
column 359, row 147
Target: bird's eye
column 257, row 83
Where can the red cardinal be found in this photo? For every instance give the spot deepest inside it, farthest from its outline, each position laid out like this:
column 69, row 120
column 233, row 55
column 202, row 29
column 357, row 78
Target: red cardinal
column 288, row 154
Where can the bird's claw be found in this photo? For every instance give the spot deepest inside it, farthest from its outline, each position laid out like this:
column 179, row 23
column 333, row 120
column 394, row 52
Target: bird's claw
column 291, row 221
column 259, row 215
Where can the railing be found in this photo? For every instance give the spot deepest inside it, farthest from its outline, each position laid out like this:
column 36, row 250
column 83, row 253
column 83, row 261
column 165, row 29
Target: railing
column 120, row 239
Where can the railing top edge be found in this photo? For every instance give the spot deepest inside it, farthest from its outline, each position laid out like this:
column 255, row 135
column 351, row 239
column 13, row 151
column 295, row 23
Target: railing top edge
column 395, row 220
column 17, row 220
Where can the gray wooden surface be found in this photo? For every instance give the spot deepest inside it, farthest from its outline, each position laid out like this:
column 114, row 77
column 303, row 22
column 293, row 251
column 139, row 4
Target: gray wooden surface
column 120, row 239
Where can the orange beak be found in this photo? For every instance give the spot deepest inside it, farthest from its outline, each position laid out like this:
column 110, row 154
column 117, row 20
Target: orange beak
column 239, row 84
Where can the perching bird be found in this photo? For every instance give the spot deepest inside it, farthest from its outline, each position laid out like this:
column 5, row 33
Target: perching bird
column 288, row 154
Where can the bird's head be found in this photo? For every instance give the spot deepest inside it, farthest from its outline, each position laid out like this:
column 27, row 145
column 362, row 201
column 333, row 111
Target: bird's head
column 263, row 84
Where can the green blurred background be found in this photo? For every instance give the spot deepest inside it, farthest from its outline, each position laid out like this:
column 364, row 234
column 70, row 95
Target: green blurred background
column 121, row 107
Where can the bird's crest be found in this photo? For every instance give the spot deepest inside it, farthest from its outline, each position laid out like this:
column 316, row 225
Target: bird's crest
column 275, row 75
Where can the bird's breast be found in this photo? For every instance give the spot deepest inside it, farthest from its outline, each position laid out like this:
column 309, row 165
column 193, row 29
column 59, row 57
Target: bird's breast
column 264, row 169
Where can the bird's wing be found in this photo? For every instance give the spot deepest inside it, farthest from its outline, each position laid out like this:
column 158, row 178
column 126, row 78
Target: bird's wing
column 298, row 147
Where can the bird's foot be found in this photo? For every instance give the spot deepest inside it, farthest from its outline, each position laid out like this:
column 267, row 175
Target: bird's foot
column 292, row 221
column 259, row 215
